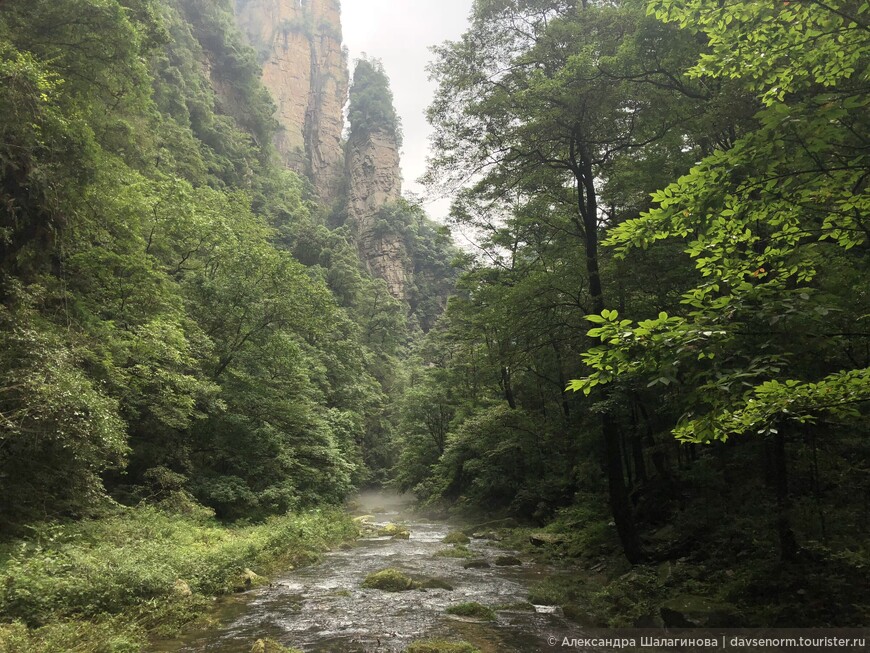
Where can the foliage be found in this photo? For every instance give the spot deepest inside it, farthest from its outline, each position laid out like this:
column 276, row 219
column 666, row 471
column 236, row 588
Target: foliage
column 118, row 573
column 371, row 102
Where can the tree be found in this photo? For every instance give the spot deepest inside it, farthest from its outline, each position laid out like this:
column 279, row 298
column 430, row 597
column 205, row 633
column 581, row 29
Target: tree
column 771, row 222
column 541, row 105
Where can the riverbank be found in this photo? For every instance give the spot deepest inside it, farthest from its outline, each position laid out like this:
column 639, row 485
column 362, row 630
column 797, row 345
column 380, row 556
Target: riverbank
column 110, row 585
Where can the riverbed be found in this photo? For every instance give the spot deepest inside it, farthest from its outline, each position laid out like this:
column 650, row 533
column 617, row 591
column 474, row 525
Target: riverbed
column 324, row 608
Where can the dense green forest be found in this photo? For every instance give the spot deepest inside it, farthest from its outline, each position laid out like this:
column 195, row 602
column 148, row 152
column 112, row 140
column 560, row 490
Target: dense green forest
column 660, row 347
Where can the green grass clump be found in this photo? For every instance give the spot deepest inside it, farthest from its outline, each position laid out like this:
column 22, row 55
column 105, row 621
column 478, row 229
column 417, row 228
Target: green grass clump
column 456, row 537
column 550, row 592
column 389, row 580
column 441, row 646
column 457, row 551
column 107, row 584
column 474, row 610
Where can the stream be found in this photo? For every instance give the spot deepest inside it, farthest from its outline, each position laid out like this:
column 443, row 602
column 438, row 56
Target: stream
column 324, row 609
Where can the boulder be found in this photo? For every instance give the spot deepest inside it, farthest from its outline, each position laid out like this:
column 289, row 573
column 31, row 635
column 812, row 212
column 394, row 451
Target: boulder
column 508, row 561
column 390, row 580
column 391, row 529
column 247, row 580
column 456, row 537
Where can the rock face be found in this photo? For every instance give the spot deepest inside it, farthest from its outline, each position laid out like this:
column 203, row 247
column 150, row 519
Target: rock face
column 305, row 69
column 375, row 182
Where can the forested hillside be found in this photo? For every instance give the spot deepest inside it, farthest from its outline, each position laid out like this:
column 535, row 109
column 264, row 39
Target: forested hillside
column 659, row 350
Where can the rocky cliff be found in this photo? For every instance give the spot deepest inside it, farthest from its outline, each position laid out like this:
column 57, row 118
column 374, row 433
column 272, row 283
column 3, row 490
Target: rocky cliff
column 305, row 69
column 375, row 183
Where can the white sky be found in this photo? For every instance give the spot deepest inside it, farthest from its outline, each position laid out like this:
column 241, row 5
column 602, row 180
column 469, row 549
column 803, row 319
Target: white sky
column 399, row 33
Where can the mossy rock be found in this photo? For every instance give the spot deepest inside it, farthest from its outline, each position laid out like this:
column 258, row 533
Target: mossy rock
column 390, row 580
column 402, row 535
column 477, row 564
column 689, row 611
column 456, row 537
column 271, row 646
column 247, row 580
column 473, row 610
column 391, row 529
column 508, row 561
column 436, row 584
column 457, row 551
column 441, row 646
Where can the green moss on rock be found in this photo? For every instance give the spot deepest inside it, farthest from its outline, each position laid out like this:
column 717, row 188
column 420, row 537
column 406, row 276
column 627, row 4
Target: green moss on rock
column 390, row 580
column 473, row 610
column 456, row 537
column 271, row 646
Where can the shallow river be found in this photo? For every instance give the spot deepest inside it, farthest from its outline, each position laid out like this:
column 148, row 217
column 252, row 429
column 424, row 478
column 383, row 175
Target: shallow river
column 324, row 609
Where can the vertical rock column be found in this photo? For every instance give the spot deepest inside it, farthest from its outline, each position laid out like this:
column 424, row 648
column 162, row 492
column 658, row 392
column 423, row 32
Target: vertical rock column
column 374, row 174
column 304, row 68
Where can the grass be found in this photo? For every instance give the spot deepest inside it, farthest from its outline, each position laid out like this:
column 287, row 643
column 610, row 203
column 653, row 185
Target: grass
column 107, row 585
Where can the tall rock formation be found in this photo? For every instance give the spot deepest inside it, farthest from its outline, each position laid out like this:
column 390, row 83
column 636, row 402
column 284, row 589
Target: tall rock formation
column 375, row 179
column 305, row 69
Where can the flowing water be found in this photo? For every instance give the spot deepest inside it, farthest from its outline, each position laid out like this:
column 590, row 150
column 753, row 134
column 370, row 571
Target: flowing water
column 324, row 609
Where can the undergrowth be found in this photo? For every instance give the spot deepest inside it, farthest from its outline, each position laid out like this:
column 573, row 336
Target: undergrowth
column 107, row 585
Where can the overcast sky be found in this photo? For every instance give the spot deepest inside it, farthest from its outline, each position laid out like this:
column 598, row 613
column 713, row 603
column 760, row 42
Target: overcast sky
column 399, row 33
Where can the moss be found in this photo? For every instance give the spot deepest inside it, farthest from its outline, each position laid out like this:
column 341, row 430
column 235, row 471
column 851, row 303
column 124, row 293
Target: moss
column 389, row 580
column 456, row 537
column 549, row 592
column 474, row 610
column 436, row 584
column 440, row 646
column 271, row 646
column 508, row 561
column 391, row 529
column 457, row 551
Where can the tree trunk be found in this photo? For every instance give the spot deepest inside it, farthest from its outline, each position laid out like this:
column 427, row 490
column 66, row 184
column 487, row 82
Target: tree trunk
column 788, row 547
column 620, row 506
